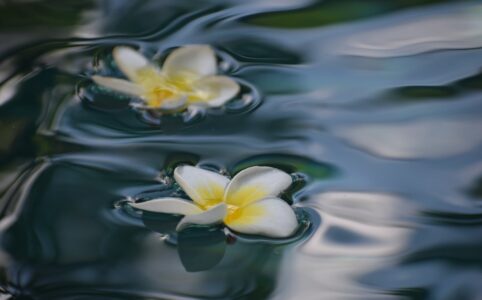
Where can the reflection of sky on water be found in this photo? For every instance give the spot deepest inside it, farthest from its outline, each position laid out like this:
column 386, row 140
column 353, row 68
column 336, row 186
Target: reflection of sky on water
column 423, row 138
column 409, row 33
column 378, row 252
column 359, row 233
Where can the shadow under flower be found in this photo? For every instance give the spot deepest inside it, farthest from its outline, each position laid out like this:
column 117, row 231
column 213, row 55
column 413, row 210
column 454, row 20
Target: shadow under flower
column 201, row 248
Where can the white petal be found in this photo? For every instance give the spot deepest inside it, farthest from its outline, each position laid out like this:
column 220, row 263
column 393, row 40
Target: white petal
column 271, row 217
column 216, row 90
column 206, row 188
column 119, row 85
column 194, row 60
column 174, row 104
column 212, row 216
column 254, row 184
column 130, row 61
column 168, row 206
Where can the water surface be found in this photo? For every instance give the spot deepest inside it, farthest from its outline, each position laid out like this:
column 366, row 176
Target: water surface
column 374, row 106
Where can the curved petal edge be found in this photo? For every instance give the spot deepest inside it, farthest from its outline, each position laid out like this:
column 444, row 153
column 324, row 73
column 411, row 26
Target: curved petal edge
column 256, row 183
column 168, row 206
column 212, row 216
column 270, row 217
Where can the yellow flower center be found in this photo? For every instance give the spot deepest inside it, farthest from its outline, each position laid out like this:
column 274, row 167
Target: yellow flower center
column 160, row 89
column 238, row 209
column 246, row 194
column 234, row 212
column 211, row 195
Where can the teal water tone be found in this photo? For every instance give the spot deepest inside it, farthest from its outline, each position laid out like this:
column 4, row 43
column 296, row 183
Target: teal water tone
column 374, row 107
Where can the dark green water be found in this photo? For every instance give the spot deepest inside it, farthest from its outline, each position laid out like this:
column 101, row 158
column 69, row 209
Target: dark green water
column 374, row 106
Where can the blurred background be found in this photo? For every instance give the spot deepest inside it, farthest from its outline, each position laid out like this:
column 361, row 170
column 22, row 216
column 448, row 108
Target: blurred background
column 374, row 106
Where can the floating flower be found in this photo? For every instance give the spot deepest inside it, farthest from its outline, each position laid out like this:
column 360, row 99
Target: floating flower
column 188, row 77
column 248, row 203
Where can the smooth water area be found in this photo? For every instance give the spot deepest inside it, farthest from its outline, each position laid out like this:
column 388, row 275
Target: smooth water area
column 373, row 106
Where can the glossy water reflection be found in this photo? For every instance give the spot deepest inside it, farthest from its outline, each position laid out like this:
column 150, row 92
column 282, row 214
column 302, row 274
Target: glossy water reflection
column 373, row 106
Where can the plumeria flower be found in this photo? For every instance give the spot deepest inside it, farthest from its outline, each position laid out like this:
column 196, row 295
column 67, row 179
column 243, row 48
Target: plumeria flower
column 188, row 77
column 248, row 203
